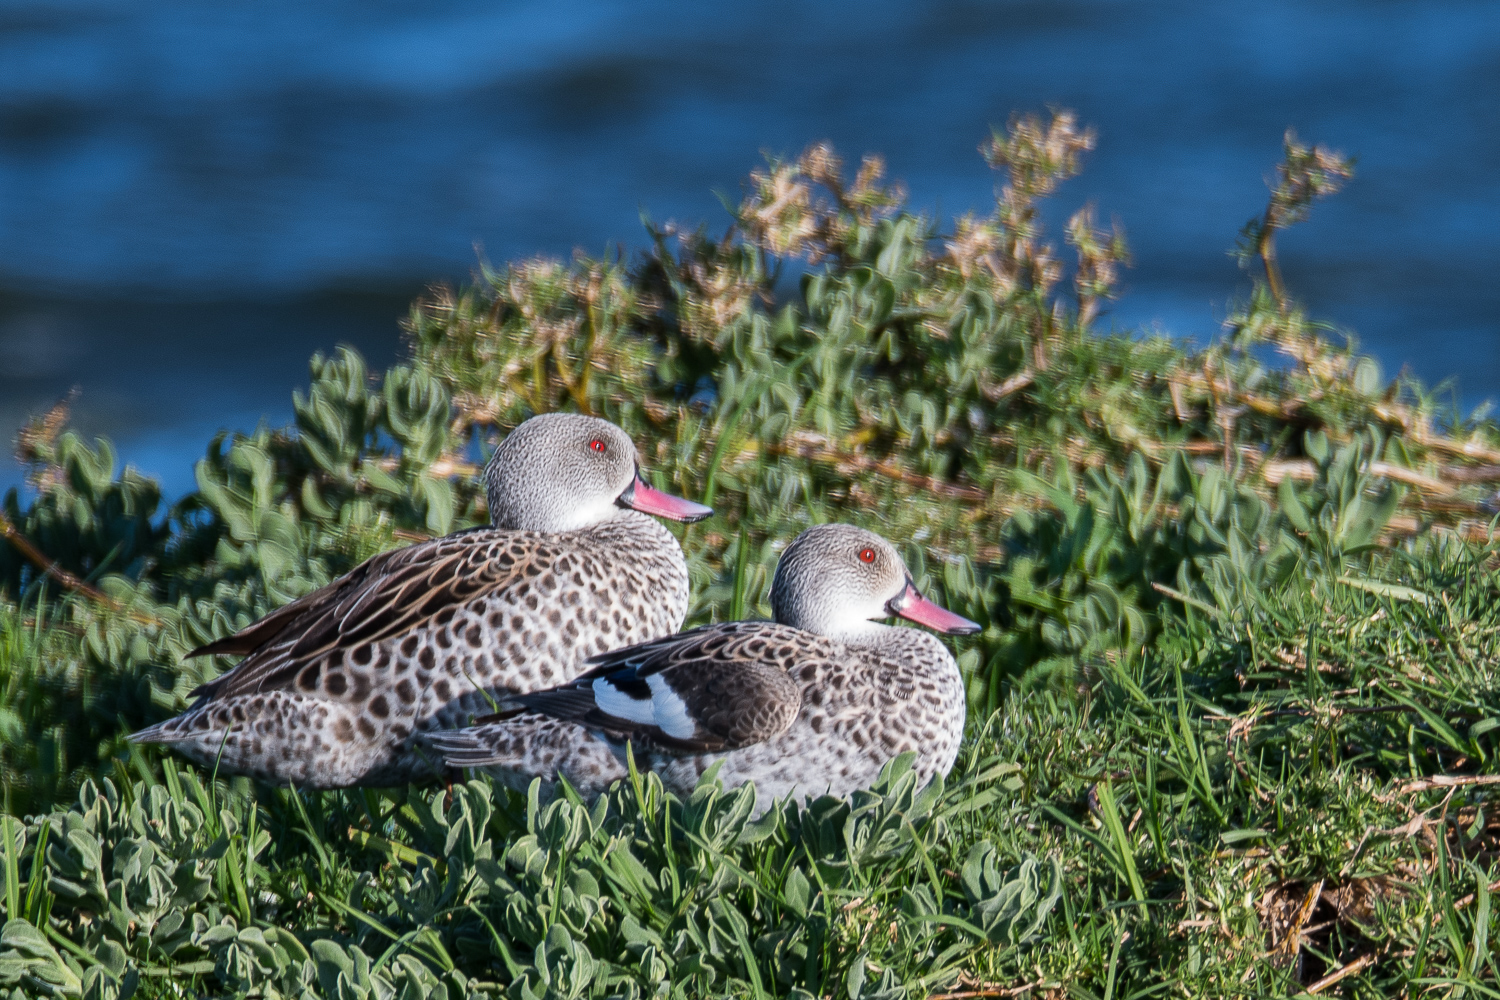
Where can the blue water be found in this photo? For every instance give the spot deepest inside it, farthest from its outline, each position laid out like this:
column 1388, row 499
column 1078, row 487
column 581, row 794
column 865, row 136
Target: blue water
column 194, row 197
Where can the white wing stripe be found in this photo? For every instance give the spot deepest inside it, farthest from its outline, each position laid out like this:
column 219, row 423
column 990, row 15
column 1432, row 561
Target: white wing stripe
column 664, row 709
column 615, row 702
column 671, row 711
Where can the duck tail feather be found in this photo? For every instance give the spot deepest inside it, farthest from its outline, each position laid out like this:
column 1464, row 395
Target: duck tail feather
column 162, row 732
column 472, row 747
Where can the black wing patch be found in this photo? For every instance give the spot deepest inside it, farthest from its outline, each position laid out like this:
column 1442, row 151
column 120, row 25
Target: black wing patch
column 708, row 690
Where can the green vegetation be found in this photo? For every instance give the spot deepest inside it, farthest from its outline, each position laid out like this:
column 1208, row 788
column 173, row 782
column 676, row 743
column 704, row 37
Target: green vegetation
column 1232, row 712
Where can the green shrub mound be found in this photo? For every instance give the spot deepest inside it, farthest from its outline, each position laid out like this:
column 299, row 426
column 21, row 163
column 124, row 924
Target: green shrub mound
column 1231, row 710
column 635, row 894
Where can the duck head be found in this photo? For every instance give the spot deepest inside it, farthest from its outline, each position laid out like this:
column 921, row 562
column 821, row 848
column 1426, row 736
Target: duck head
column 565, row 472
column 836, row 579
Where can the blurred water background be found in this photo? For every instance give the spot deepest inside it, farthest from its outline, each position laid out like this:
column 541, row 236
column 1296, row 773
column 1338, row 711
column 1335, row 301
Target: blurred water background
column 195, row 197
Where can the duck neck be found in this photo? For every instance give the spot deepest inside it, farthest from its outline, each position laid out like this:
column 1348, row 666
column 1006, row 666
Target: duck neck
column 859, row 633
column 898, row 642
column 535, row 513
column 631, row 526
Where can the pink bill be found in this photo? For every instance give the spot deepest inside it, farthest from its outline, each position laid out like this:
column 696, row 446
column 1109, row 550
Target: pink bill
column 647, row 500
column 912, row 606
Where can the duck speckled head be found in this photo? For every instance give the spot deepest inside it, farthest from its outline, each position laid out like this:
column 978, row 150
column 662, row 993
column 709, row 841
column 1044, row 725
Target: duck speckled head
column 834, row 579
column 566, row 472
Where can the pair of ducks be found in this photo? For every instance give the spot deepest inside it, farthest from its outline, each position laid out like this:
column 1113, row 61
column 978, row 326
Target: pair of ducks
column 564, row 614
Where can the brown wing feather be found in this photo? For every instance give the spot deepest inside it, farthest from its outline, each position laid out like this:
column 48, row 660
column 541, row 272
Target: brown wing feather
column 702, row 643
column 747, row 704
column 258, row 633
column 397, row 563
column 387, row 595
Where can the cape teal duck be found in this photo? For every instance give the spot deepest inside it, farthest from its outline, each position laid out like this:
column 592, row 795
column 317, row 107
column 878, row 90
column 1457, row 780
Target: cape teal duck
column 339, row 687
column 813, row 703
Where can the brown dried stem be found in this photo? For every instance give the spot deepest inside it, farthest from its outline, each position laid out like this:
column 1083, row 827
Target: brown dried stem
column 1360, row 964
column 23, row 545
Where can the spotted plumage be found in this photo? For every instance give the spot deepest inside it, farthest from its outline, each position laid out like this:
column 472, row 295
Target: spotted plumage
column 814, row 703
column 341, row 687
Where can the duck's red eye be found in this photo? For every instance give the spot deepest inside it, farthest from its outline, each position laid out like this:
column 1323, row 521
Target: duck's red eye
column 866, row 555
column 596, row 444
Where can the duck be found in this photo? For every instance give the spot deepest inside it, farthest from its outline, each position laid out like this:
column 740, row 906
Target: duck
column 340, row 687
column 812, row 703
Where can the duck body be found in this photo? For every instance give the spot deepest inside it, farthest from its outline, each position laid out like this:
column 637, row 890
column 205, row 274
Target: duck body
column 796, row 711
column 837, row 715
column 342, row 686
column 424, row 638
column 859, row 706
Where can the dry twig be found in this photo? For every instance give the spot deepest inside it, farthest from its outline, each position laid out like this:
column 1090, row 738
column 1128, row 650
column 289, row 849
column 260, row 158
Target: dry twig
column 1448, row 781
column 1360, row 964
column 985, row 990
column 35, row 556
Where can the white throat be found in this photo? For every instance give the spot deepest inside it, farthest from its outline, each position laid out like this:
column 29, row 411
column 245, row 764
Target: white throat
column 862, row 632
column 535, row 514
column 853, row 626
column 586, row 515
